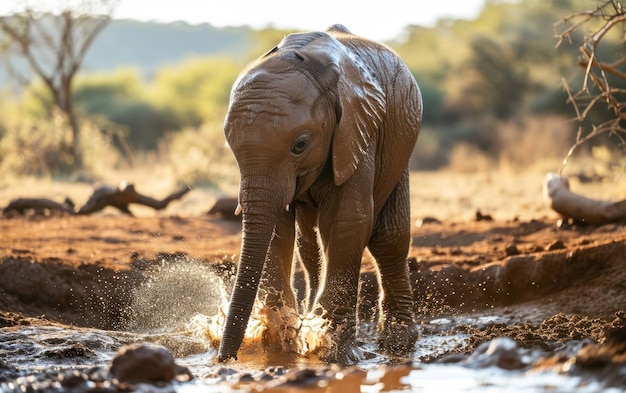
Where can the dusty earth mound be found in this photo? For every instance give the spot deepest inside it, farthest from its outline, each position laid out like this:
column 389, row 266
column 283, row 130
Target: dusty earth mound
column 484, row 264
column 81, row 270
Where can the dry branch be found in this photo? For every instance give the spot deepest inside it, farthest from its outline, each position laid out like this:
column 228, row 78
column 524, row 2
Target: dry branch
column 119, row 197
column 611, row 15
column 123, row 195
column 578, row 208
column 38, row 205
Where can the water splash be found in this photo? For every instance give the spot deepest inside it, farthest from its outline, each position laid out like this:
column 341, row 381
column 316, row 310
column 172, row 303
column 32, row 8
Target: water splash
column 281, row 328
column 302, row 334
column 174, row 293
column 192, row 297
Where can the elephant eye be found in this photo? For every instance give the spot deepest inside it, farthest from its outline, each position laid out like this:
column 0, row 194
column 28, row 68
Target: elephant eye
column 299, row 145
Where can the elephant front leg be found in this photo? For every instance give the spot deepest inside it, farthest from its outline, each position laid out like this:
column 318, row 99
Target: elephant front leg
column 279, row 300
column 344, row 232
column 339, row 304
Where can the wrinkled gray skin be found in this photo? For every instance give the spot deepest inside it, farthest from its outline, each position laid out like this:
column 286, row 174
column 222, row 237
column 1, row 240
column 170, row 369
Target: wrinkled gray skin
column 322, row 127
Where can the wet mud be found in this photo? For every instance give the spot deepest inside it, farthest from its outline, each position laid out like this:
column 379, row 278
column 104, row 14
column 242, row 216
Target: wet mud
column 525, row 297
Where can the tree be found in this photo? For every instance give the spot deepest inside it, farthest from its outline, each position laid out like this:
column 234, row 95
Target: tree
column 603, row 62
column 53, row 42
column 501, row 79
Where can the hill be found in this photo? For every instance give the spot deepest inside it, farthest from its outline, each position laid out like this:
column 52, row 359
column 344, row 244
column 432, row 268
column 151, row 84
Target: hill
column 148, row 45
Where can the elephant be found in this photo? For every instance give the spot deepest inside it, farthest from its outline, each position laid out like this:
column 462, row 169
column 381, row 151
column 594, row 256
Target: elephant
column 322, row 127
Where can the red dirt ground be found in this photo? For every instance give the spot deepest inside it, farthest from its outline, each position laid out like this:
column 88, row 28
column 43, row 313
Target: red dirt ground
column 549, row 283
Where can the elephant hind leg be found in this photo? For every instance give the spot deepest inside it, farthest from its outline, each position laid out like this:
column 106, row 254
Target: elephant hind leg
column 389, row 245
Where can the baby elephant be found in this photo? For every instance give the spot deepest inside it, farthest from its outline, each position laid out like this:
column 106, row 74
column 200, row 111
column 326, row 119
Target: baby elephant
column 322, row 127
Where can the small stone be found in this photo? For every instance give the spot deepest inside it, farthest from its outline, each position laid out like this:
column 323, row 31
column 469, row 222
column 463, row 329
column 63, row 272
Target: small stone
column 426, row 220
column 276, row 371
column 265, row 377
column 145, row 363
column 502, row 352
column 225, row 372
column 556, row 245
column 246, row 377
column 511, row 249
column 483, row 217
column 538, row 248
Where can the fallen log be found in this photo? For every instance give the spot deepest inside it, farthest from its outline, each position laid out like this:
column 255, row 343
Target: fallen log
column 40, row 206
column 123, row 195
column 580, row 209
column 119, row 197
column 226, row 207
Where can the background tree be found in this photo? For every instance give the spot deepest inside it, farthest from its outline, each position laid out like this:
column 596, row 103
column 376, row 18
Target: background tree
column 600, row 101
column 53, row 42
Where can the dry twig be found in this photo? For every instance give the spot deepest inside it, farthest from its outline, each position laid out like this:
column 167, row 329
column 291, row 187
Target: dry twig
column 596, row 88
column 119, row 197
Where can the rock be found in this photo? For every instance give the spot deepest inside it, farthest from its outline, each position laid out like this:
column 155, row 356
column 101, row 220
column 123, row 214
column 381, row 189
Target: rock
column 556, row 245
column 511, row 249
column 333, row 379
column 146, row 363
column 225, row 372
column 426, row 220
column 502, row 352
column 483, row 217
column 226, row 208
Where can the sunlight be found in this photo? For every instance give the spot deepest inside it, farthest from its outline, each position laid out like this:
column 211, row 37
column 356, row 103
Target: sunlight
column 292, row 332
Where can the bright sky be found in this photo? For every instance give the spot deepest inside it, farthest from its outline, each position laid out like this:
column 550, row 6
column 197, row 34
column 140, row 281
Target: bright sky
column 376, row 19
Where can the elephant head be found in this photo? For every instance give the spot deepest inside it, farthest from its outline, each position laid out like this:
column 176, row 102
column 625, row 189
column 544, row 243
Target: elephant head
column 302, row 112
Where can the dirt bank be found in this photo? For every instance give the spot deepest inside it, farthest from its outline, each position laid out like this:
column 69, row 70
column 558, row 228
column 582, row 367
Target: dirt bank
column 82, row 270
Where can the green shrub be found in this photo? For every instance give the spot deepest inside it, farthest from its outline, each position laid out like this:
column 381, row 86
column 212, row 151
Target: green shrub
column 196, row 90
column 122, row 98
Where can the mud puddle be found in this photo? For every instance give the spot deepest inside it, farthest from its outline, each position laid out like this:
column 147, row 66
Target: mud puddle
column 35, row 356
column 171, row 302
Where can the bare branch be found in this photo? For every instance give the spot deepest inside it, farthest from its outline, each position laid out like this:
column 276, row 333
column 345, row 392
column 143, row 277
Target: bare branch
column 609, row 14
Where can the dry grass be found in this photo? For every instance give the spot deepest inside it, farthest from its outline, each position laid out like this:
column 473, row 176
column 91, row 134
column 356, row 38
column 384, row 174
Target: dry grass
column 445, row 195
column 456, row 196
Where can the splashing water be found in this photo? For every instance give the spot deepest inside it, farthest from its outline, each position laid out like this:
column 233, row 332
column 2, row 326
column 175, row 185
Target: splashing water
column 174, row 292
column 301, row 334
column 191, row 297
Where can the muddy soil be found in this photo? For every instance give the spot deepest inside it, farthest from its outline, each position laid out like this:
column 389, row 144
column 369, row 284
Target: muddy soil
column 546, row 285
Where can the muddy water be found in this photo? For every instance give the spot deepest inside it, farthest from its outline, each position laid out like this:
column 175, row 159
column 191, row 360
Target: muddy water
column 178, row 306
column 501, row 364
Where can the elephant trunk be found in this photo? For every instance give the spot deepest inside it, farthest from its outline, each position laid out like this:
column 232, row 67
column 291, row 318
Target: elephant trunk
column 259, row 219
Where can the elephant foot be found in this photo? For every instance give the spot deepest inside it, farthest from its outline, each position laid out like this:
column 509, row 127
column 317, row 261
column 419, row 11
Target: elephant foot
column 281, row 329
column 398, row 338
column 343, row 354
column 342, row 348
column 280, row 321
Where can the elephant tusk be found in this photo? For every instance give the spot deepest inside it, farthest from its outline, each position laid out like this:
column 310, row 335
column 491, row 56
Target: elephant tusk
column 238, row 209
column 287, row 207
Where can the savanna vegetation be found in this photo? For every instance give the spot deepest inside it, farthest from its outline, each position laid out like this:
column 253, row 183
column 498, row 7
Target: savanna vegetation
column 508, row 90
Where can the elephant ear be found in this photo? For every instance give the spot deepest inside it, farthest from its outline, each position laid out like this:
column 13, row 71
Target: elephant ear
column 360, row 100
column 362, row 108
